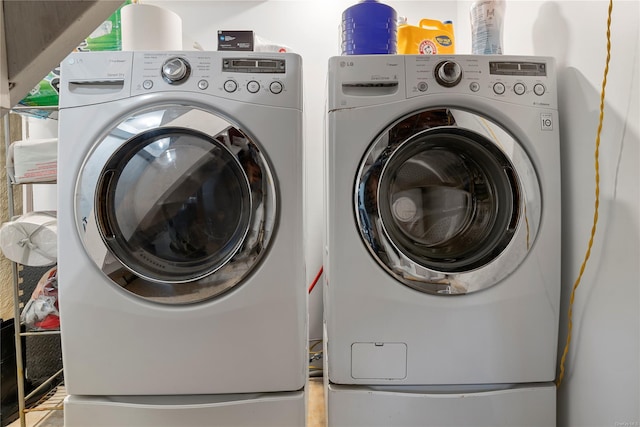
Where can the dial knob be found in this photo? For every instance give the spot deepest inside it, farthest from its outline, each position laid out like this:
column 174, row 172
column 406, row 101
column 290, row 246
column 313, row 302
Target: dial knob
column 175, row 70
column 448, row 73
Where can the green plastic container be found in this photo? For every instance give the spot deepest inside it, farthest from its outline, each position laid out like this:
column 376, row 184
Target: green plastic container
column 108, row 36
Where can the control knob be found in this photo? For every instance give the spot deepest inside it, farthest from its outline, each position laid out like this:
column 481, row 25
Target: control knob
column 175, row 70
column 448, row 73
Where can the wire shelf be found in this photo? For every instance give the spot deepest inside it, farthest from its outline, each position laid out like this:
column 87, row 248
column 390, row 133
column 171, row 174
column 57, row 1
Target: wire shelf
column 51, row 401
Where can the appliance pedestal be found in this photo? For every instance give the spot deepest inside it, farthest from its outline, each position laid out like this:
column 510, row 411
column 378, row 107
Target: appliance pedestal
column 231, row 410
column 521, row 405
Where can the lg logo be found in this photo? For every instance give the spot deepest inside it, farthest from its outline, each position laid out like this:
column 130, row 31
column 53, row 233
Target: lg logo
column 346, row 64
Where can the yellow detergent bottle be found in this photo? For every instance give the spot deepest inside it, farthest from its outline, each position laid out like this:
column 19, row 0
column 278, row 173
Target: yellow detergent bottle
column 432, row 37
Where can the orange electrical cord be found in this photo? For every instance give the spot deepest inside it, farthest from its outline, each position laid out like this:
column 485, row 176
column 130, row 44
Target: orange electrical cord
column 315, row 280
column 597, row 201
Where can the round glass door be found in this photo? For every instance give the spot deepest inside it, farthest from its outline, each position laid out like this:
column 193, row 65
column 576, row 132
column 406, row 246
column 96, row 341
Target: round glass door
column 175, row 205
column 441, row 205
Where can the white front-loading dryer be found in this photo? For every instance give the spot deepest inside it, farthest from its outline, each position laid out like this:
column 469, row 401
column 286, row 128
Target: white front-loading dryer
column 442, row 255
column 180, row 213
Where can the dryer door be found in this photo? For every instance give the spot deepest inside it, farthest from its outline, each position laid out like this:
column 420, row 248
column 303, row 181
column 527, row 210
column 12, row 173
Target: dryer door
column 447, row 201
column 176, row 204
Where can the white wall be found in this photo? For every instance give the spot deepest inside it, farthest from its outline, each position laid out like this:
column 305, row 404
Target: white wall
column 602, row 382
column 603, row 367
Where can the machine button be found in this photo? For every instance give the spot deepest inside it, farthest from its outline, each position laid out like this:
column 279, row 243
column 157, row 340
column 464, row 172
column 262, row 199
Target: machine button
column 539, row 89
column 423, row 86
column 147, row 84
column 519, row 88
column 230, row 86
column 175, row 70
column 498, row 88
column 546, row 121
column 474, row 86
column 276, row 87
column 253, row 86
column 203, row 84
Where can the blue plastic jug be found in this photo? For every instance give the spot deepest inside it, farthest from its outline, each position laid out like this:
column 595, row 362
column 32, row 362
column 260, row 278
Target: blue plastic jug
column 369, row 28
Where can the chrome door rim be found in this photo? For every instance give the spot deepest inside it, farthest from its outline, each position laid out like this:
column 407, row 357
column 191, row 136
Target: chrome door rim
column 380, row 235
column 252, row 242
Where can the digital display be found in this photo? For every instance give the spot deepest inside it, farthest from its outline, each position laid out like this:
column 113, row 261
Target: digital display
column 243, row 63
column 250, row 65
column 508, row 66
column 518, row 68
column 268, row 64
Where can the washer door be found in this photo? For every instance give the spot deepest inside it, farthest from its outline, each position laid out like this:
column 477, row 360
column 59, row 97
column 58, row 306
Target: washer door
column 447, row 201
column 176, row 204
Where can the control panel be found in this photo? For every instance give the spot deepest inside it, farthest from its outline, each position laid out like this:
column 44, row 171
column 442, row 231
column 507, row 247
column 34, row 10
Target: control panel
column 269, row 79
column 514, row 79
column 244, row 76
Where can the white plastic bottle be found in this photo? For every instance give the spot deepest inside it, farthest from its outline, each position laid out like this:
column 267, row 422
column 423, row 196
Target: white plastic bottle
column 487, row 18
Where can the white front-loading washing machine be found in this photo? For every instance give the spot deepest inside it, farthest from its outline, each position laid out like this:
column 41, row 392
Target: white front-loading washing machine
column 442, row 241
column 180, row 214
